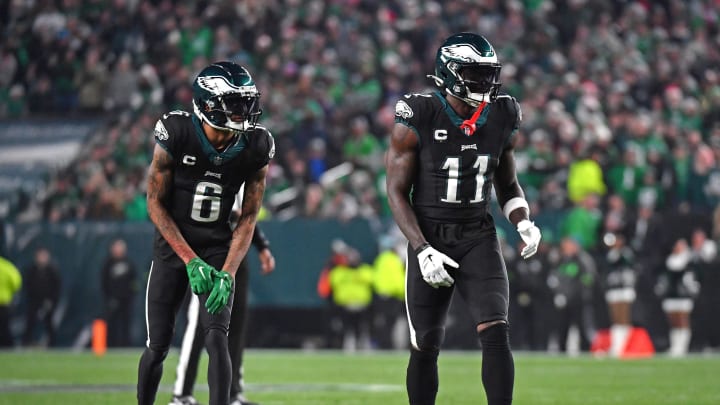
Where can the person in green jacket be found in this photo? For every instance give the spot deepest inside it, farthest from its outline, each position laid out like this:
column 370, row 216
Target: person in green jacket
column 10, row 282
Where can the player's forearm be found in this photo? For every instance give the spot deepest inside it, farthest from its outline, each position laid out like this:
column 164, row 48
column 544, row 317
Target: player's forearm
column 406, row 220
column 510, row 194
column 239, row 245
column 512, row 203
column 243, row 233
column 170, row 231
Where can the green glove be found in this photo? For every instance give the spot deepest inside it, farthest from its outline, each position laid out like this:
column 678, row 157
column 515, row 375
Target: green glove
column 220, row 293
column 200, row 275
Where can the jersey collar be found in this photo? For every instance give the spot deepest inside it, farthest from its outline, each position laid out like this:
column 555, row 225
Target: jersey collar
column 456, row 120
column 218, row 158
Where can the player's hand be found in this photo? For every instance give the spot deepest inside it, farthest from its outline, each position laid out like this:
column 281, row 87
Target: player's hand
column 222, row 288
column 432, row 267
column 200, row 275
column 267, row 261
column 530, row 234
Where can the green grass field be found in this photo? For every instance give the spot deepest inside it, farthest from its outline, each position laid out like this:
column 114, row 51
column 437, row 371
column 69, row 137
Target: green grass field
column 320, row 378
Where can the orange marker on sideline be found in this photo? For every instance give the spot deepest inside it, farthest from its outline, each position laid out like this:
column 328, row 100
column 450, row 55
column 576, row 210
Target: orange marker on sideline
column 99, row 337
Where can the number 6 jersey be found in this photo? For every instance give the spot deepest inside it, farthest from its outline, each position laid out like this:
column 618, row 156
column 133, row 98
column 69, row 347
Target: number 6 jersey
column 454, row 170
column 205, row 180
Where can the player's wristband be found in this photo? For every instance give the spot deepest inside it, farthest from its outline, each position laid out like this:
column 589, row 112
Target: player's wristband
column 513, row 204
column 421, row 248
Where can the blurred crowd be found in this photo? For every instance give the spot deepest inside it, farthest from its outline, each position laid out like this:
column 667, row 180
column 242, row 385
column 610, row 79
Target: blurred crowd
column 625, row 92
column 620, row 101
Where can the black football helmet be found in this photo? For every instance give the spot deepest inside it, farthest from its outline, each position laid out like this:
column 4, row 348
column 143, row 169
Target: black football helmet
column 467, row 66
column 225, row 96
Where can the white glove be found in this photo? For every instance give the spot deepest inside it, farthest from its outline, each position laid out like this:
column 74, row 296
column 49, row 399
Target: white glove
column 530, row 234
column 432, row 267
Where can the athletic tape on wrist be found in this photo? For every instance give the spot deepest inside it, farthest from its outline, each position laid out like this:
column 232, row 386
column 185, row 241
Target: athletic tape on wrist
column 513, row 204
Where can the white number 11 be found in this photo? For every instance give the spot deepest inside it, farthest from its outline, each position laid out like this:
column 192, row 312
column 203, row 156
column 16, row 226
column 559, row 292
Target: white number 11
column 452, row 165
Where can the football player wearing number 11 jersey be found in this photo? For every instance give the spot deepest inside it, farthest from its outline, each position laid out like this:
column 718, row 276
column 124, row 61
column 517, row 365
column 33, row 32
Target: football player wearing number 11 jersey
column 199, row 163
column 447, row 150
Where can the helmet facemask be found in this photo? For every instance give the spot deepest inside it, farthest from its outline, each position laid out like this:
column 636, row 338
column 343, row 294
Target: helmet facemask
column 233, row 112
column 478, row 83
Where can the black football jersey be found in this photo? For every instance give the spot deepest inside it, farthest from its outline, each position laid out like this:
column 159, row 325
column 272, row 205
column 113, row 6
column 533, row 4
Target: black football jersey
column 455, row 171
column 205, row 180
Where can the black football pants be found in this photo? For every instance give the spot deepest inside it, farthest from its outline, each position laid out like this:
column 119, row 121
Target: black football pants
column 166, row 289
column 193, row 341
column 481, row 280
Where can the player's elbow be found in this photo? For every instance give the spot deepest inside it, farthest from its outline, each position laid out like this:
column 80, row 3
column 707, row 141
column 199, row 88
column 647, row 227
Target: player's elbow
column 154, row 208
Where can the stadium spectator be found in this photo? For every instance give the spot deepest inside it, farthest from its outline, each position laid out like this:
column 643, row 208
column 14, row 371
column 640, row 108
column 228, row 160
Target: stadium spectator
column 530, row 297
column 333, row 333
column 352, row 293
column 388, row 303
column 43, row 284
column 647, row 97
column 619, row 277
column 10, row 282
column 571, row 280
column 583, row 222
column 678, row 285
column 119, row 284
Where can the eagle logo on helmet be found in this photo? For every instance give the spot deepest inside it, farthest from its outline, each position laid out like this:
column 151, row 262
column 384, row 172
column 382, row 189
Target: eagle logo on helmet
column 466, row 53
column 219, row 85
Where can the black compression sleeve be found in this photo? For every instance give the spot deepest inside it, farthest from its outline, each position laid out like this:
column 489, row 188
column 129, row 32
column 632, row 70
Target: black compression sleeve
column 259, row 240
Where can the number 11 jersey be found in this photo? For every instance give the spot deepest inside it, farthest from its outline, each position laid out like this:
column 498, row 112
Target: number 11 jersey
column 454, row 171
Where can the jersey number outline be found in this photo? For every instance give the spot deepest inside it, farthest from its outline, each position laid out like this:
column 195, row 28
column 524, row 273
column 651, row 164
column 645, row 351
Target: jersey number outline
column 452, row 165
column 206, row 202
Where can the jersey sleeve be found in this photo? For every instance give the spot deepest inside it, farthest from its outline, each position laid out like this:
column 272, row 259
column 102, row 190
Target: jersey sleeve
column 514, row 115
column 518, row 115
column 166, row 131
column 262, row 145
column 407, row 110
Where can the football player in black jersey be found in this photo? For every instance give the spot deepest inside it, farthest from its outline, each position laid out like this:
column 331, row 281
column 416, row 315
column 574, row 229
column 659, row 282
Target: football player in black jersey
column 192, row 343
column 199, row 163
column 446, row 150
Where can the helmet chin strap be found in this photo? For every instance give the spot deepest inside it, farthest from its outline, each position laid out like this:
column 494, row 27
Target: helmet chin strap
column 438, row 81
column 468, row 126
